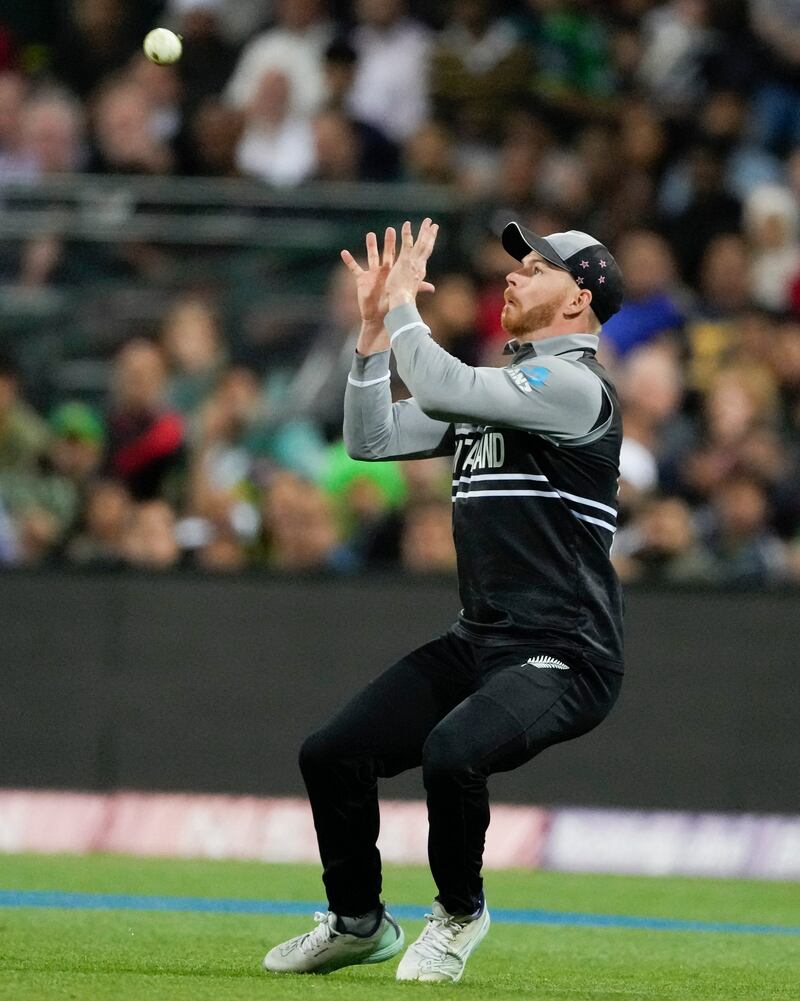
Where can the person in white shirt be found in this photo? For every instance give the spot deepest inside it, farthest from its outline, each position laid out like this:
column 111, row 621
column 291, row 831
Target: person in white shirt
column 277, row 144
column 391, row 87
column 295, row 47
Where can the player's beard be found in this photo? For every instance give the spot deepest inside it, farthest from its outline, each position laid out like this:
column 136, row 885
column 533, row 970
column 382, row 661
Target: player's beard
column 537, row 318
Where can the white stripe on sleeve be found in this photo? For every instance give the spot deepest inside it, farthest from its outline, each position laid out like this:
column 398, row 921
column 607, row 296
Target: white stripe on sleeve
column 368, row 382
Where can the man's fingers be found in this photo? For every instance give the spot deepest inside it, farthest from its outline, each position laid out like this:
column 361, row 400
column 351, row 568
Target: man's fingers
column 406, row 236
column 389, row 244
column 427, row 287
column 352, row 264
column 427, row 238
column 373, row 257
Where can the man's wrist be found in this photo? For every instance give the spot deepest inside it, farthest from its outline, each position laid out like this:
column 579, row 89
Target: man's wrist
column 372, row 328
column 402, row 297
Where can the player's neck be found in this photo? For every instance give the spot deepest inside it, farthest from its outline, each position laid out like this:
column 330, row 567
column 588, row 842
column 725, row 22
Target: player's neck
column 562, row 328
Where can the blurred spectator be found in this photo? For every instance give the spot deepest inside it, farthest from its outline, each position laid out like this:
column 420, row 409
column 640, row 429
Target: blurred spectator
column 776, row 112
column 738, row 401
column 101, row 540
column 145, row 437
column 710, row 211
column 150, row 542
column 429, row 156
column 9, row 540
column 573, row 56
column 772, row 225
column 428, row 479
column 208, row 57
column 237, row 20
column 651, row 306
column 785, row 364
column 125, row 139
column 661, row 546
column 378, row 156
column 13, row 92
column 650, row 388
column 54, row 486
column 97, row 37
column 293, row 48
column 277, row 144
column 214, row 133
column 369, row 498
column 194, row 350
column 678, row 41
column 76, row 446
column 38, row 536
column 426, row 545
column 23, row 433
column 479, row 71
column 52, row 126
column 725, row 120
column 338, row 152
column 391, row 86
column 724, row 296
column 452, row 314
column 315, row 388
column 746, row 552
column 161, row 87
column 221, row 484
column 301, row 530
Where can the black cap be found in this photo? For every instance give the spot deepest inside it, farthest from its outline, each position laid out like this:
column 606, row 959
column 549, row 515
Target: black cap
column 586, row 259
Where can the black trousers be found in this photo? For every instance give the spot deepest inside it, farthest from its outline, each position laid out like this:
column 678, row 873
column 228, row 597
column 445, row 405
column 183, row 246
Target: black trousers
column 462, row 711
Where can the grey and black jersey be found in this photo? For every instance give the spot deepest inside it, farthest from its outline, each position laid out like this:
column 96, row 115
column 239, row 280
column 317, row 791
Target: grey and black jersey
column 535, row 449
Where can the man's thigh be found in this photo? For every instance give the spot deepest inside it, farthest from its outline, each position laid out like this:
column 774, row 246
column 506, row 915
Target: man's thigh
column 519, row 711
column 390, row 719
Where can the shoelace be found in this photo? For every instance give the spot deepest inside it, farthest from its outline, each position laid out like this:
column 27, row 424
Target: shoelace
column 323, row 933
column 437, row 937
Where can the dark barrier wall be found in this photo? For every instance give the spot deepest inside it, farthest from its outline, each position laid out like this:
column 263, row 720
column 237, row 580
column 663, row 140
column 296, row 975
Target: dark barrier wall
column 156, row 682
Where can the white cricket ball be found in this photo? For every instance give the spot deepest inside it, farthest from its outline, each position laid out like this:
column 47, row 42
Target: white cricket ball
column 162, row 46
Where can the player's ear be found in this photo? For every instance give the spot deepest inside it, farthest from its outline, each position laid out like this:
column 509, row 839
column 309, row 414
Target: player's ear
column 579, row 302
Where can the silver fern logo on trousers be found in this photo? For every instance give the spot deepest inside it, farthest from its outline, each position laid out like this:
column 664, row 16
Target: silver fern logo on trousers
column 547, row 662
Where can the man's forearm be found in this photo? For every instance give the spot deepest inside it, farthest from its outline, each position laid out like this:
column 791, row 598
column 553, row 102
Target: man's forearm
column 375, row 428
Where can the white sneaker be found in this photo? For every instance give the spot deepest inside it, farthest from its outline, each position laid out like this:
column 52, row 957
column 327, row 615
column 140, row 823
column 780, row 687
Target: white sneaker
column 326, row 948
column 442, row 950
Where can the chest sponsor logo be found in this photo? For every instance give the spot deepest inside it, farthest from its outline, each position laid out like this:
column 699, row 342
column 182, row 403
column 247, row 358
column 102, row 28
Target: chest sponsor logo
column 486, row 452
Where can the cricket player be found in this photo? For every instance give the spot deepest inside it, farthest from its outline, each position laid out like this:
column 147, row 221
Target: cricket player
column 535, row 657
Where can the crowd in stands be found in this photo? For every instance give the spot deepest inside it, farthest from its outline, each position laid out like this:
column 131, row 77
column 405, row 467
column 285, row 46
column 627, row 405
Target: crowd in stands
column 670, row 129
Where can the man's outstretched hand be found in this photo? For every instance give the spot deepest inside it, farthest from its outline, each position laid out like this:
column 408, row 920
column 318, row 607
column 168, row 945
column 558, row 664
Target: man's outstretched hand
column 407, row 276
column 371, row 287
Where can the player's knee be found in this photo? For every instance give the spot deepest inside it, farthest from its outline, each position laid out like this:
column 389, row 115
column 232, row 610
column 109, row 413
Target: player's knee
column 316, row 751
column 443, row 756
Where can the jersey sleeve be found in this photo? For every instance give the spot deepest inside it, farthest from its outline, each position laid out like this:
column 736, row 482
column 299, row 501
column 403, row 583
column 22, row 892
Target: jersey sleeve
column 549, row 395
column 376, row 429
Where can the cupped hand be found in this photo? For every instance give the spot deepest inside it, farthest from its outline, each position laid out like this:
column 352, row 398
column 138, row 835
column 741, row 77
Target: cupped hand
column 373, row 297
column 407, row 276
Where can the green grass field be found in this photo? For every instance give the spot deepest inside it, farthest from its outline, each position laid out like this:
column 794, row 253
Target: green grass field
column 119, row 955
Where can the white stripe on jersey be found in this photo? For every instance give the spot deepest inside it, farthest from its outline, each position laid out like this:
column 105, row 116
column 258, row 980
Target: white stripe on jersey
column 470, row 494
column 539, row 478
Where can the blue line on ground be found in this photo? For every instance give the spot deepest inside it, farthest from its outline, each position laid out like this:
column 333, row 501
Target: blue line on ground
column 222, row 905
